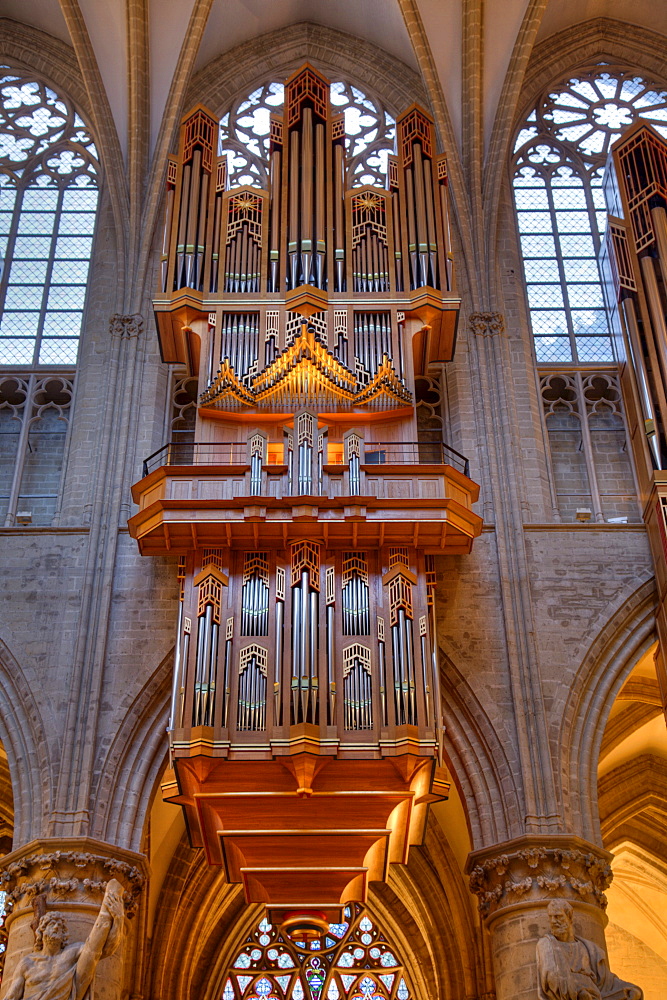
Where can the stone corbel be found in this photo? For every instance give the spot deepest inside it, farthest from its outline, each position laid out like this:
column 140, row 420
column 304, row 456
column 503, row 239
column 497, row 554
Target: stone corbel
column 126, row 327
column 486, row 324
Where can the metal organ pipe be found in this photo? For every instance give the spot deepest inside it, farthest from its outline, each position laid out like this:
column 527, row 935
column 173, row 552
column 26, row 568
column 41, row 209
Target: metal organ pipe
column 191, row 234
column 412, row 231
column 306, row 194
column 215, row 256
column 293, row 237
column 166, row 237
column 339, row 173
column 655, row 306
column 420, row 207
column 304, row 644
column 430, row 222
column 330, row 663
column 182, row 226
column 201, row 231
column 178, row 666
column 398, row 252
column 628, row 307
column 320, row 206
column 279, row 659
column 274, row 246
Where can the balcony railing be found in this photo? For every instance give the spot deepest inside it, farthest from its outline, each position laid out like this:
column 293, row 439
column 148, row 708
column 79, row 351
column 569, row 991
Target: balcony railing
column 182, row 453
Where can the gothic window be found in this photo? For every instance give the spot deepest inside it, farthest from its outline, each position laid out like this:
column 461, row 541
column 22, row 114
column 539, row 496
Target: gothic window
column 34, row 420
column 245, row 129
column 48, row 202
column 354, row 961
column 591, row 473
column 559, row 159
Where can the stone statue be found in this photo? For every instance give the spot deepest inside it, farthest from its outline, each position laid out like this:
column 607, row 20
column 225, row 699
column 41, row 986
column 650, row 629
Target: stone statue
column 58, row 971
column 571, row 968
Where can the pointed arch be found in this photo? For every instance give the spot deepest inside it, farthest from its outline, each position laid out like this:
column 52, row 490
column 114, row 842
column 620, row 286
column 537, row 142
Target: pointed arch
column 24, row 737
column 57, row 62
column 480, row 762
column 356, row 960
column 278, row 53
column 138, row 752
column 428, row 910
column 604, row 668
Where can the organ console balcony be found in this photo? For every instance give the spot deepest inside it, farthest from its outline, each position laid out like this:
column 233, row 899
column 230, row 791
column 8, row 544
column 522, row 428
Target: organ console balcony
column 306, row 724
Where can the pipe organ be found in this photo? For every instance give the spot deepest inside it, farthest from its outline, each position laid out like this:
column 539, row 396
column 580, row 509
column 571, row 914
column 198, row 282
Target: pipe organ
column 634, row 268
column 306, row 726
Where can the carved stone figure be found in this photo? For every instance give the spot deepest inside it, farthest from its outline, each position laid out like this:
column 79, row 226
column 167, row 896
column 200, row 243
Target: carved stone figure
column 572, row 968
column 58, row 971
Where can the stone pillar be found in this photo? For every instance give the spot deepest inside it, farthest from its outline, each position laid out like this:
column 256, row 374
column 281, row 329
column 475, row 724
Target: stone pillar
column 515, row 883
column 69, row 875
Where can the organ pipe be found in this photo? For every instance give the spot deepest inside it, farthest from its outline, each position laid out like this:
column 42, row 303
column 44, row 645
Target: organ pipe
column 305, row 306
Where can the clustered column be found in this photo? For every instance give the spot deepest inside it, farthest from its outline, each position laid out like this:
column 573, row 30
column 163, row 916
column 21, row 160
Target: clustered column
column 63, row 893
column 525, row 888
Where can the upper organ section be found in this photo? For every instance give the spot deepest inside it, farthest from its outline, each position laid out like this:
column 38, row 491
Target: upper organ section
column 255, row 263
column 307, row 312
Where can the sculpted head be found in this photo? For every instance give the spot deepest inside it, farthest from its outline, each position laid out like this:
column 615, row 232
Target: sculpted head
column 51, row 933
column 561, row 919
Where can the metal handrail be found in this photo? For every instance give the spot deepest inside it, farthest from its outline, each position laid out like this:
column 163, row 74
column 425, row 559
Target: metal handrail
column 375, row 453
column 422, row 453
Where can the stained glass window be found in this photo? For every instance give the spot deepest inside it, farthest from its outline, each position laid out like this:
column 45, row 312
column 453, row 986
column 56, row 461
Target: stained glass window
column 559, row 158
column 244, row 134
column 48, row 203
column 352, row 962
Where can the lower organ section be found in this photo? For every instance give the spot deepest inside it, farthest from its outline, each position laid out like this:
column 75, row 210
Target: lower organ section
column 305, row 720
column 336, row 640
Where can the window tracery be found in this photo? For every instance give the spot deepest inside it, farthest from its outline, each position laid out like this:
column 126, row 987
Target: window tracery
column 559, row 158
column 353, row 961
column 48, row 203
column 245, row 134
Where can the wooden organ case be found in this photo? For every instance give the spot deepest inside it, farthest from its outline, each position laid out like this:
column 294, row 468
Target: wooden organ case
column 634, row 269
column 305, row 724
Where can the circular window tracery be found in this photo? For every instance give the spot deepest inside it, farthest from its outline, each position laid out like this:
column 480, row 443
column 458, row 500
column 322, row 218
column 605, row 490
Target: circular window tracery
column 559, row 159
column 353, row 961
column 244, row 134
column 48, row 203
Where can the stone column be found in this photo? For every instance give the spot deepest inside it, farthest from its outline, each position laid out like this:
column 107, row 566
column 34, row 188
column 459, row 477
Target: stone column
column 515, row 883
column 69, row 875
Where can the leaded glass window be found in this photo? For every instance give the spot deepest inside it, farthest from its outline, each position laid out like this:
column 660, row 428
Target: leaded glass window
column 48, row 202
column 354, row 961
column 559, row 158
column 244, row 134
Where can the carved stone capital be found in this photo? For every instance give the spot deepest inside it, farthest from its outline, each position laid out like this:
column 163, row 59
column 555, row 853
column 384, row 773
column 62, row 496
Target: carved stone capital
column 70, row 871
column 490, row 324
column 126, row 327
column 535, row 869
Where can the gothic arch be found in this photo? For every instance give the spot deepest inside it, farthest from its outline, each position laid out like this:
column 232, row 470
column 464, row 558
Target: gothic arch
column 436, row 940
column 585, row 44
column 278, row 53
column 633, row 805
column 607, row 663
column 428, row 910
column 56, row 62
column 480, row 763
column 25, row 740
column 200, row 922
column 138, row 751
column 558, row 56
